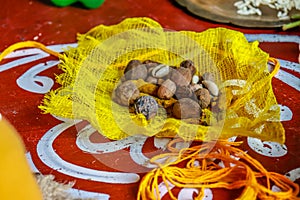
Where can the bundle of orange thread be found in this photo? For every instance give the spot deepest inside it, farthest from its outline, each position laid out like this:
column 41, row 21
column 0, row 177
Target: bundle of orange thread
column 198, row 167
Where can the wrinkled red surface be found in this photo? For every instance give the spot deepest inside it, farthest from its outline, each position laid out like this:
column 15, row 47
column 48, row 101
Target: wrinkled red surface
column 22, row 20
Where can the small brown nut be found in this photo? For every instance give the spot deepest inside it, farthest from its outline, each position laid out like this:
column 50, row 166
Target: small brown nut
column 132, row 64
column 183, row 92
column 181, row 76
column 186, row 108
column 166, row 90
column 208, row 76
column 135, row 70
column 203, row 97
column 190, row 65
column 172, row 69
column 147, row 106
column 126, row 93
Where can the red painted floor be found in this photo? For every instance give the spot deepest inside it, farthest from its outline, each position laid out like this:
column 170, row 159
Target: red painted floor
column 22, row 20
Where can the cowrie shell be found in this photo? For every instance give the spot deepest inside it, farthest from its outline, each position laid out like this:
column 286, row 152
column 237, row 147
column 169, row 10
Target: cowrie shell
column 160, row 71
column 212, row 87
column 195, row 79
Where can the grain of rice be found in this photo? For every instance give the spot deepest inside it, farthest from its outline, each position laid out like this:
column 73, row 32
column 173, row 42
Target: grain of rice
column 251, row 7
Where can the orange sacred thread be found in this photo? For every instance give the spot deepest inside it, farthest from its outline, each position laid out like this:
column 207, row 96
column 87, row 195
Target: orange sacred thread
column 27, row 44
column 201, row 171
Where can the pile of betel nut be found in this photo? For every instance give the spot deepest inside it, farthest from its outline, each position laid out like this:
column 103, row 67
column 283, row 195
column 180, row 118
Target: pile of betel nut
column 184, row 94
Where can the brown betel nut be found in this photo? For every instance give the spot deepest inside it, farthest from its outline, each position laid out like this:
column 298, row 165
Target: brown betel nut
column 132, row 64
column 135, row 70
column 183, row 92
column 181, row 76
column 203, row 97
column 186, row 108
column 190, row 65
column 166, row 90
column 126, row 93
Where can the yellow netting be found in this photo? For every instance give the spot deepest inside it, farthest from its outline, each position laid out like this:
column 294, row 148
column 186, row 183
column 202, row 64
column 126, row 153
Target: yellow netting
column 94, row 68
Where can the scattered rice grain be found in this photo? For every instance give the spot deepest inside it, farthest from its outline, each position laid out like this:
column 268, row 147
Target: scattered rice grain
column 251, row 7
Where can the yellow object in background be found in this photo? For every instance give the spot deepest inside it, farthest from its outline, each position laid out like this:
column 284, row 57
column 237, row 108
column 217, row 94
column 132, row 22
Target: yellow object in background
column 16, row 179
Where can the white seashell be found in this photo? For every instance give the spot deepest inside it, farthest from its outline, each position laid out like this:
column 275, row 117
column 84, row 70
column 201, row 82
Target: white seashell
column 195, row 79
column 160, row 71
column 212, row 87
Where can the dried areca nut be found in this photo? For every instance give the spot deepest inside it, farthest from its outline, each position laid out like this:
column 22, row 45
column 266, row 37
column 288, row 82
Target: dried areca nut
column 126, row 93
column 151, row 79
column 212, row 87
column 195, row 87
column 147, row 106
column 186, row 108
column 181, row 76
column 208, row 76
column 172, row 69
column 132, row 64
column 195, row 79
column 203, row 97
column 160, row 71
column 166, row 90
column 139, row 72
column 190, row 65
column 135, row 71
column 183, row 92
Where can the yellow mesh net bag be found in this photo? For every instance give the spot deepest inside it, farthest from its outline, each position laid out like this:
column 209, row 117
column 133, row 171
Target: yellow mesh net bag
column 196, row 167
column 93, row 70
